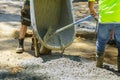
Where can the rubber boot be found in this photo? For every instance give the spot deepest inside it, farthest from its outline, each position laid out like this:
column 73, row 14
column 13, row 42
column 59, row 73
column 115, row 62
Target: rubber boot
column 20, row 48
column 99, row 60
column 118, row 64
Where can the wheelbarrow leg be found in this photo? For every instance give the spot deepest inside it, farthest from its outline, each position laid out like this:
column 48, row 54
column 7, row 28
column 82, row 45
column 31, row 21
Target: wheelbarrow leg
column 36, row 47
column 32, row 45
column 44, row 50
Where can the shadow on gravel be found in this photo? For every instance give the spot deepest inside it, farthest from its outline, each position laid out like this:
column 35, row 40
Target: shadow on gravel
column 7, row 44
column 59, row 55
column 7, row 17
column 27, row 73
column 24, row 76
column 111, row 69
column 11, row 44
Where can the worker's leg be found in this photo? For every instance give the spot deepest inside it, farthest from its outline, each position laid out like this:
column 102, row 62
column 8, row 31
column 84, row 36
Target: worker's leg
column 117, row 39
column 102, row 38
column 25, row 21
column 20, row 47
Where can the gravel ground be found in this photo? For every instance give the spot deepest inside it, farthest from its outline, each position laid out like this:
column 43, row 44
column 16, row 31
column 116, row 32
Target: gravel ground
column 61, row 68
column 57, row 66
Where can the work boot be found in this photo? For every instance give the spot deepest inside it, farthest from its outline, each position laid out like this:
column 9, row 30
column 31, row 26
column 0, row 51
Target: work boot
column 20, row 48
column 99, row 60
column 118, row 64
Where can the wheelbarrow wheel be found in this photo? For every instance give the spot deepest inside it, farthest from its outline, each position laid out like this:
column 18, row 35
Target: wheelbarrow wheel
column 44, row 51
column 36, row 48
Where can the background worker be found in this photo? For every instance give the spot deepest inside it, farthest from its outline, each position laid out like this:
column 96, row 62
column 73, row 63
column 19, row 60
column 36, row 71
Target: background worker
column 109, row 19
column 25, row 21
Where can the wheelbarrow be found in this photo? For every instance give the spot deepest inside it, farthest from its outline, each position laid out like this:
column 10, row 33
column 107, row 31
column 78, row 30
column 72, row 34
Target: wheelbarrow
column 53, row 24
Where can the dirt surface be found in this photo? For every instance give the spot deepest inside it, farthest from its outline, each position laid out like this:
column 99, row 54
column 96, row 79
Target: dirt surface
column 76, row 63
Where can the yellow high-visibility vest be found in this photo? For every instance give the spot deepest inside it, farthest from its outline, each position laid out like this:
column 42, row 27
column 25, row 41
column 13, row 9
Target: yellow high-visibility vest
column 109, row 11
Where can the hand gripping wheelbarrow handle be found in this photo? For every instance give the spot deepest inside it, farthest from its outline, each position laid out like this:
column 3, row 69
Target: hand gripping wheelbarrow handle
column 75, row 23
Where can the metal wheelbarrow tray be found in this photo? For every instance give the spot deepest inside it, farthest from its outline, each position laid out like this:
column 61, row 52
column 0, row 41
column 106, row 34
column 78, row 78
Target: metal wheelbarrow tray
column 47, row 16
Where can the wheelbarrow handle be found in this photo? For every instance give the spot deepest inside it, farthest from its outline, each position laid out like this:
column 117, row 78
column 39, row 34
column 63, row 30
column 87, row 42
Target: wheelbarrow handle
column 75, row 23
column 70, row 25
column 83, row 19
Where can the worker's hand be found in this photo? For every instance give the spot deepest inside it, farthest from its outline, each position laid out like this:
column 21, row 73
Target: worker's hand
column 92, row 10
column 93, row 13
